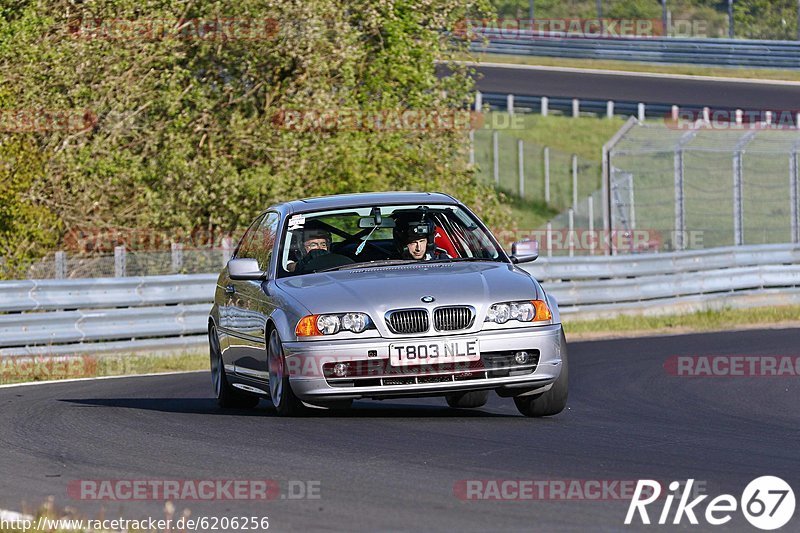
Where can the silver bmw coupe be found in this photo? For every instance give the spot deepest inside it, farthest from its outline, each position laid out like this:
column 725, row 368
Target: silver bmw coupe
column 382, row 295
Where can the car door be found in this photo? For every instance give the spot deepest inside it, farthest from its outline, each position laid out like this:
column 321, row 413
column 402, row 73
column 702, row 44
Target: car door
column 253, row 305
column 230, row 304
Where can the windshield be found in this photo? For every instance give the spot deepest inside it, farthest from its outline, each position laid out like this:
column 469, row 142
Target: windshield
column 382, row 236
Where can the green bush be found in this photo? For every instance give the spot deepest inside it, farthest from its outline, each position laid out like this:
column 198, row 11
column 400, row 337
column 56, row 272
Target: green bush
column 185, row 135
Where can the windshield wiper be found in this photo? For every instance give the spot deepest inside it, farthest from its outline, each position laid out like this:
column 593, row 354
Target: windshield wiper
column 384, row 262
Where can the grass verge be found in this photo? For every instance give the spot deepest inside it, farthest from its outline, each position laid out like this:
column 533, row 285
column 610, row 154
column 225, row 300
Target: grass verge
column 702, row 321
column 50, row 367
column 632, row 66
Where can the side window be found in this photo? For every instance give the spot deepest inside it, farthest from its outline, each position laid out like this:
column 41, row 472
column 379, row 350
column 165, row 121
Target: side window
column 261, row 243
column 244, row 250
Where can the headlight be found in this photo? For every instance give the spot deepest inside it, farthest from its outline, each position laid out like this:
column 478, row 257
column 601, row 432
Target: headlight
column 525, row 311
column 315, row 325
column 355, row 322
column 328, row 324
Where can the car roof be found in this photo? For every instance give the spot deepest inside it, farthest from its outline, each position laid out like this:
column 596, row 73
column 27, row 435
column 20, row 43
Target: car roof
column 367, row 199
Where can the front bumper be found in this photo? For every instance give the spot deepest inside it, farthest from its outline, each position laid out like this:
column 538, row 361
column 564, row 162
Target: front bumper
column 308, row 364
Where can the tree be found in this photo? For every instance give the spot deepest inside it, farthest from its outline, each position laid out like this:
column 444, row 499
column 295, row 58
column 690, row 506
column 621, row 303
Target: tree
column 182, row 130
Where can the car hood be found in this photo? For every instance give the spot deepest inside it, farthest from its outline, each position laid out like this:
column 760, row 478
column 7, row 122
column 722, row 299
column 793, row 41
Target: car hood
column 380, row 289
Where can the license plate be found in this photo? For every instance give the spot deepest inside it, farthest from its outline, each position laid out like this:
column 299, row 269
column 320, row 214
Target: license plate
column 434, row 352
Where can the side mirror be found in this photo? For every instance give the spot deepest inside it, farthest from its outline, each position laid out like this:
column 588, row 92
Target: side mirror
column 245, row 269
column 524, row 251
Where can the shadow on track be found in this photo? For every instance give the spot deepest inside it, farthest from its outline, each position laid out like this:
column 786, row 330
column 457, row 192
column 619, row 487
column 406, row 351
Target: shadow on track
column 207, row 406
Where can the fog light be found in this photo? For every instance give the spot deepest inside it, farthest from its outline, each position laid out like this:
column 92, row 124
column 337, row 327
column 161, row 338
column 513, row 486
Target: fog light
column 521, row 358
column 340, row 370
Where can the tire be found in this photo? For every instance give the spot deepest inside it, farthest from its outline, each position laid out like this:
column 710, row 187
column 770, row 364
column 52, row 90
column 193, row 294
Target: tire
column 553, row 401
column 280, row 390
column 227, row 396
column 467, row 400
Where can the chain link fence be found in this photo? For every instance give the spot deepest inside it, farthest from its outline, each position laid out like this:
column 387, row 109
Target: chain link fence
column 704, row 186
column 531, row 171
column 123, row 263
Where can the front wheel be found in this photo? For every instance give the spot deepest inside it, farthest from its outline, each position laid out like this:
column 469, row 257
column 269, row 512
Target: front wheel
column 280, row 390
column 226, row 395
column 553, row 401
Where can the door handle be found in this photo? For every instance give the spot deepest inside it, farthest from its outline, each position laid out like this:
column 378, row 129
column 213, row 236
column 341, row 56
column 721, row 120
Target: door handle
column 230, row 289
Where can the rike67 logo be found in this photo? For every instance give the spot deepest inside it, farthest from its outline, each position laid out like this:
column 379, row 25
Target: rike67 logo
column 767, row 503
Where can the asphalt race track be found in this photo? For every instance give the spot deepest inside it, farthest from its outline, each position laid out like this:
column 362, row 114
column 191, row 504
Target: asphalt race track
column 637, row 88
column 393, row 465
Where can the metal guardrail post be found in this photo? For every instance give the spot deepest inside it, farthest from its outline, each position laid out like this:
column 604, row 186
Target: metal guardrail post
column 521, row 167
column 631, row 203
column 592, row 240
column 680, row 196
column 227, row 250
column 640, row 112
column 547, row 175
column 574, row 182
column 731, row 32
column 61, row 265
column 478, row 101
column 794, row 196
column 177, row 257
column 610, row 109
column 495, row 158
column 680, row 213
column 576, row 108
column 120, row 262
column 606, row 184
column 738, row 237
column 571, row 233
column 510, row 104
column 738, row 188
column 545, row 106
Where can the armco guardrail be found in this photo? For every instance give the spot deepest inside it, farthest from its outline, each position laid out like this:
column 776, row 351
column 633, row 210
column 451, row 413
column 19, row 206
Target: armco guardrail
column 164, row 312
column 558, row 269
column 586, row 287
column 730, row 52
column 104, row 314
column 48, row 295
